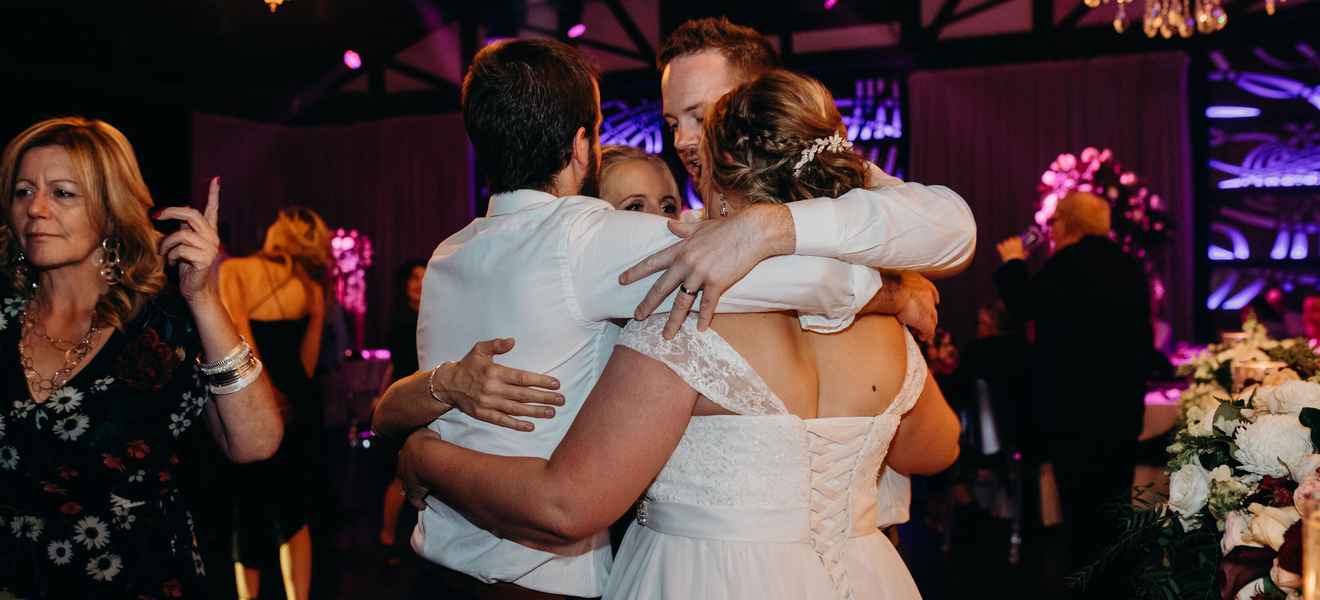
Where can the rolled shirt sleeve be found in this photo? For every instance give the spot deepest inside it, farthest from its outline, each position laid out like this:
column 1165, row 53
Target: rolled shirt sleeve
column 606, row 242
column 905, row 227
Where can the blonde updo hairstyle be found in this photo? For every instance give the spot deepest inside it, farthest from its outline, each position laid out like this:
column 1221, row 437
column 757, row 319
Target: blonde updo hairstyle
column 301, row 235
column 118, row 204
column 756, row 133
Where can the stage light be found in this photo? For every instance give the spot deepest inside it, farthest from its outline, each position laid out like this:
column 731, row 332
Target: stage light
column 1280, row 249
column 352, row 60
column 1231, row 112
column 1299, row 246
column 576, row 31
column 1217, row 297
column 830, row 4
column 1245, row 295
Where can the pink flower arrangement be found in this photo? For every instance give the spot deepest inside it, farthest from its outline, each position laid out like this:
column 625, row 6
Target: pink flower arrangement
column 1139, row 222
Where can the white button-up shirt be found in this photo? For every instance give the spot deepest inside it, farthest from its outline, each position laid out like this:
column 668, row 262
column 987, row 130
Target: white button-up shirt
column 544, row 270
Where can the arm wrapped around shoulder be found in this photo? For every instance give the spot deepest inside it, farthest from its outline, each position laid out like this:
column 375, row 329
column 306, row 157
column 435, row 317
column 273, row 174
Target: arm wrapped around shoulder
column 907, row 227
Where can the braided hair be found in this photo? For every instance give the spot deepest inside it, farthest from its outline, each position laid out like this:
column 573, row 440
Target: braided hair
column 756, row 133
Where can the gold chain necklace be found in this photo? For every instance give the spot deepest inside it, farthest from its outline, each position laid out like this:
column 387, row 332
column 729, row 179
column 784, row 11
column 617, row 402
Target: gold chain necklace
column 73, row 356
column 57, row 343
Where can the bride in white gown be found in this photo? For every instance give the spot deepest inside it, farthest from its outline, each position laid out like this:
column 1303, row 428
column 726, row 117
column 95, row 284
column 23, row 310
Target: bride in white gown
column 758, row 445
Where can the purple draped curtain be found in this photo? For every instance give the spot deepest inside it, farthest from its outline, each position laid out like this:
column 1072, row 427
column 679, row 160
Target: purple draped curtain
column 989, row 133
column 405, row 182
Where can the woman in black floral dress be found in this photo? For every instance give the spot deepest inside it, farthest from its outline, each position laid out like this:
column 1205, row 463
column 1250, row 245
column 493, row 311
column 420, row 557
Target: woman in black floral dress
column 107, row 368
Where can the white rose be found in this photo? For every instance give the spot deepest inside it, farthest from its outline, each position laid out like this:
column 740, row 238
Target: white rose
column 1189, row 488
column 1271, row 444
column 1281, row 377
column 1237, row 532
column 1268, row 523
column 1221, row 473
column 1305, row 469
column 1291, row 397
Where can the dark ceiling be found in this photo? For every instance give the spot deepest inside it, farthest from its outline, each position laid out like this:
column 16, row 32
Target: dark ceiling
column 231, row 56
column 236, row 57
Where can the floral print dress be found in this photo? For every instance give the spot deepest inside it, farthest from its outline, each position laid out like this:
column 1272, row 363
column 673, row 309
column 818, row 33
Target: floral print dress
column 89, row 502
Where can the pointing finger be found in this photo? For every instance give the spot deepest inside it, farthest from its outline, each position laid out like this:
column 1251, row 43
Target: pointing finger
column 213, row 203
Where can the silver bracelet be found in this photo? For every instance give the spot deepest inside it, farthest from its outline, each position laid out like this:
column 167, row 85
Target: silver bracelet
column 228, row 377
column 250, row 372
column 430, row 383
column 237, row 356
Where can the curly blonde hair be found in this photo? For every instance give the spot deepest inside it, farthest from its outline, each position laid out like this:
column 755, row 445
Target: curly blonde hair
column 300, row 234
column 756, row 133
column 119, row 206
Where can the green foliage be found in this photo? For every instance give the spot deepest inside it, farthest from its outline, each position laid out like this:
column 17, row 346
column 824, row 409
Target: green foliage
column 1299, row 357
column 1155, row 556
column 1210, row 450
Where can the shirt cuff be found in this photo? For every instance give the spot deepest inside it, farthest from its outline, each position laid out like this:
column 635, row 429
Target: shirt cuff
column 865, row 283
column 816, row 225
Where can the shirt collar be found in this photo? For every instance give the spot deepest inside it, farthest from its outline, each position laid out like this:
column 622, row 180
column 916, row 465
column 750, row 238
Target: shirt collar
column 511, row 202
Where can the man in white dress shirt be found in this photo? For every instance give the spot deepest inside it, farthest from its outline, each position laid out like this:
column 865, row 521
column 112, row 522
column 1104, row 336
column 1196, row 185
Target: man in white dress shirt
column 544, row 265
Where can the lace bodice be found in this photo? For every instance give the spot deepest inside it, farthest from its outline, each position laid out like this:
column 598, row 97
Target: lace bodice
column 813, row 480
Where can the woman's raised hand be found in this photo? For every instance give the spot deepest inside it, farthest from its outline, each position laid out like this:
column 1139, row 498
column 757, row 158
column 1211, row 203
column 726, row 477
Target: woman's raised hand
column 195, row 246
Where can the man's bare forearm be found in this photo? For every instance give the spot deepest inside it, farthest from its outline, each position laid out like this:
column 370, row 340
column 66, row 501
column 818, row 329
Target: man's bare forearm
column 406, row 406
column 889, row 299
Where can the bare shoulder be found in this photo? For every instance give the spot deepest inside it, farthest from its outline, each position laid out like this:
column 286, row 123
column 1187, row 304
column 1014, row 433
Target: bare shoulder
column 861, row 368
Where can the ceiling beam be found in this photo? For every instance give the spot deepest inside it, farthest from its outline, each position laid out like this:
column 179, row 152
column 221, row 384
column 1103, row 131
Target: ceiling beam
column 422, row 75
column 910, row 33
column 949, row 15
column 1074, row 16
column 942, row 18
column 1042, row 15
column 634, row 32
column 602, row 46
column 976, row 10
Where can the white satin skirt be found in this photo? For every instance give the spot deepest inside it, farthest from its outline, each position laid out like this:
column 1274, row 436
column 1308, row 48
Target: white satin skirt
column 689, row 552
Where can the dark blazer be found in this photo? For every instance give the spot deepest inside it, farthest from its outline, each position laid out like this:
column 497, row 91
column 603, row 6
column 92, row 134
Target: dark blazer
column 1091, row 306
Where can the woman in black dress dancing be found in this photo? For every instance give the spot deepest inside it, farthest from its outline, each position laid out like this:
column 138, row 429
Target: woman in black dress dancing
column 277, row 299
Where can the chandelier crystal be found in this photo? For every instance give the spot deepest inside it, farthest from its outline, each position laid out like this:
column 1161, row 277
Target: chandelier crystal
column 1167, row 18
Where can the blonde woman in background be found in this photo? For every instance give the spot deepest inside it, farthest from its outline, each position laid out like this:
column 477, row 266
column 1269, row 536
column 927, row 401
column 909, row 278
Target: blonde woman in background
column 277, row 299
column 631, row 179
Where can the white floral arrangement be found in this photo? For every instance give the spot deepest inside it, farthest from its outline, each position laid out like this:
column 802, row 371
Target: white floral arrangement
column 1244, row 462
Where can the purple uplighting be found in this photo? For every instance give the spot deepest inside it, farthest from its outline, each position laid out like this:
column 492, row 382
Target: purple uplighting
column 1231, row 112
column 352, row 60
column 576, row 31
